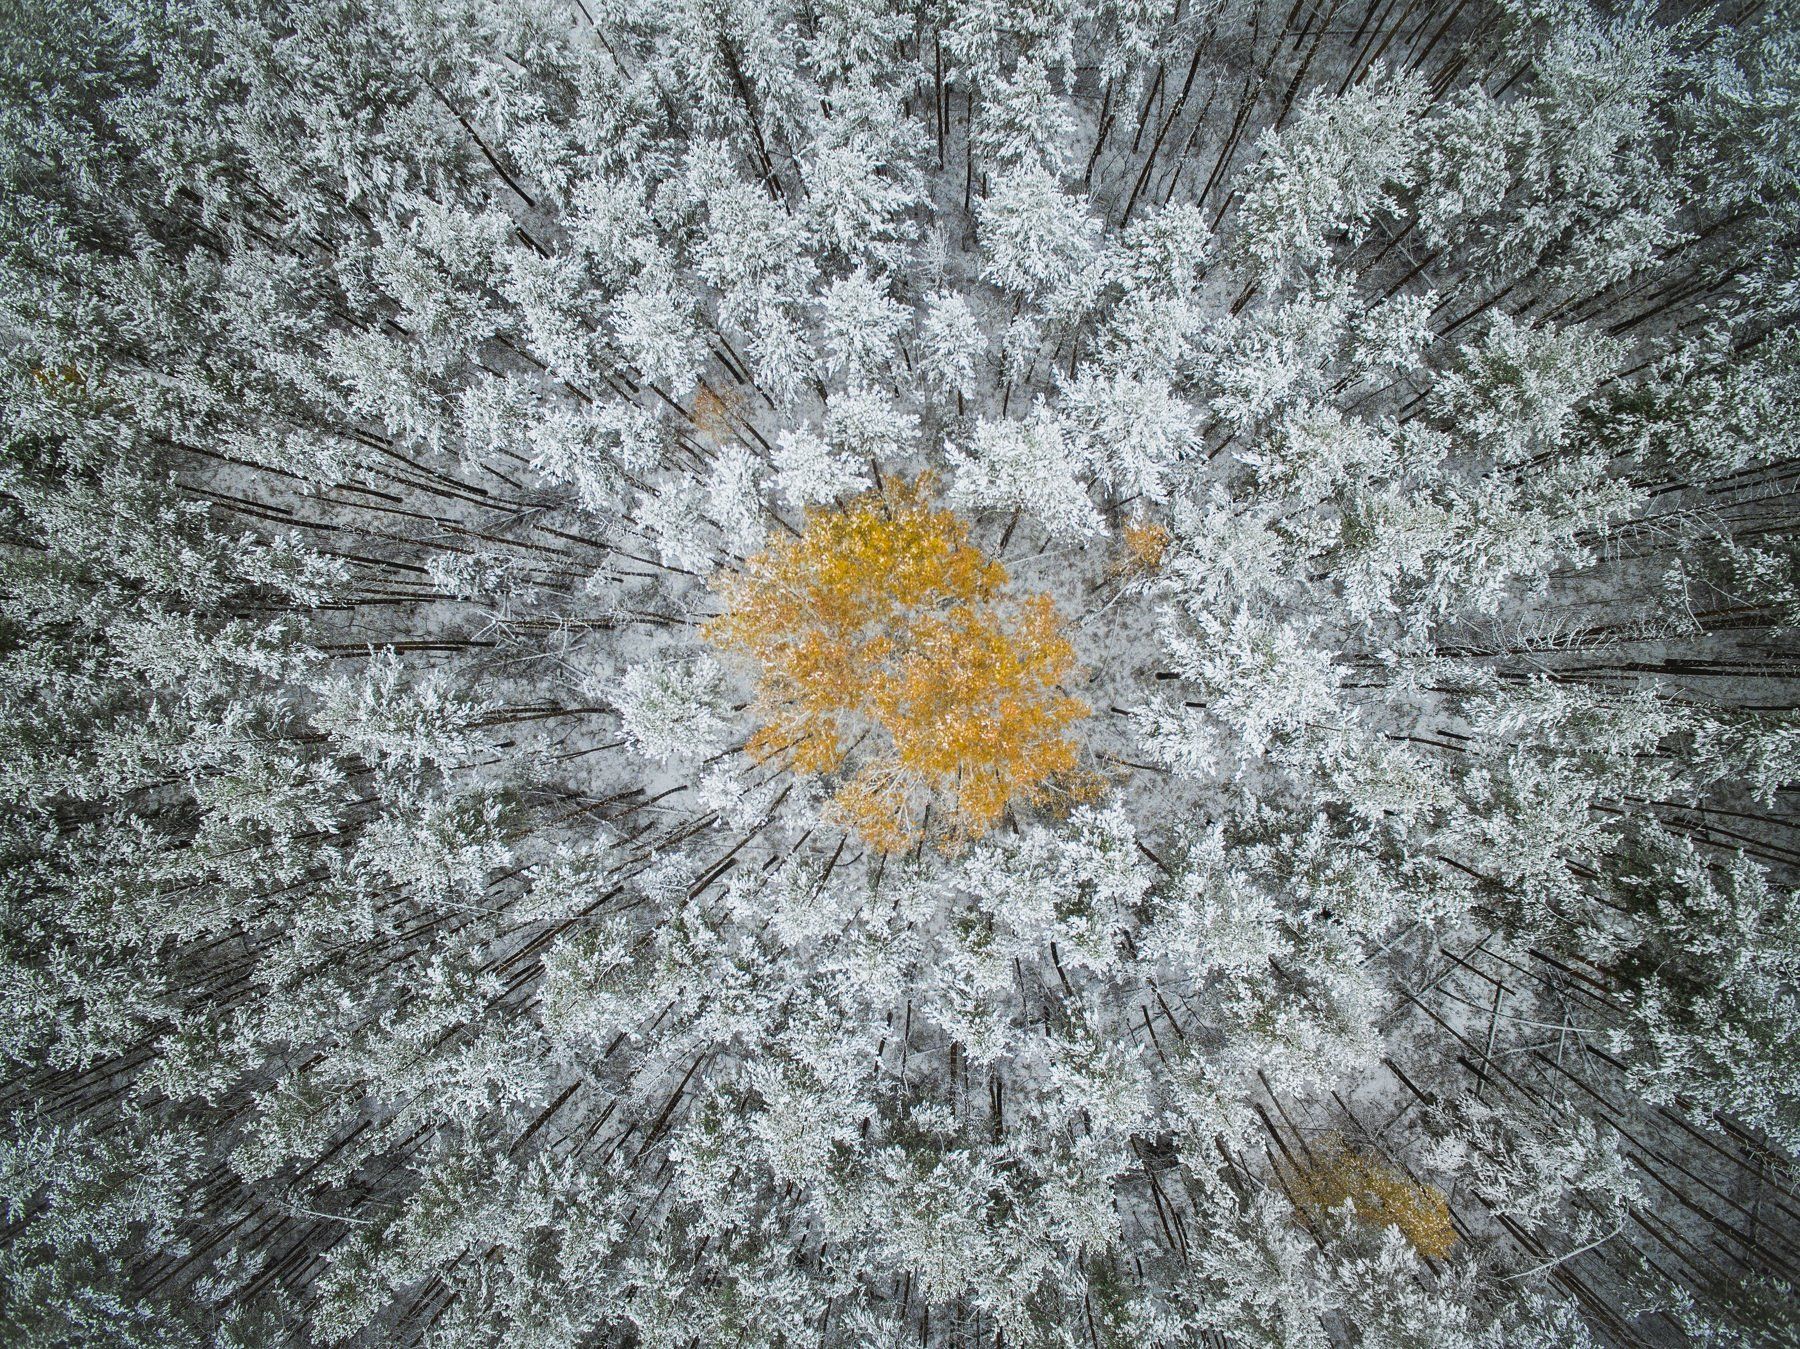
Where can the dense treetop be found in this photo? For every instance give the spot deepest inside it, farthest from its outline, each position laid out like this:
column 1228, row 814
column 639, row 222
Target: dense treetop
column 977, row 674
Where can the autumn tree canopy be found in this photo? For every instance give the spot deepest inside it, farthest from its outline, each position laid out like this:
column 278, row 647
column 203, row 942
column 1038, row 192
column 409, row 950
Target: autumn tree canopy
column 891, row 658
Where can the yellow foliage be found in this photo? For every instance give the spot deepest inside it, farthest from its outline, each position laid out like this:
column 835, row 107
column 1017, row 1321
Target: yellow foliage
column 887, row 648
column 1144, row 543
column 1382, row 1196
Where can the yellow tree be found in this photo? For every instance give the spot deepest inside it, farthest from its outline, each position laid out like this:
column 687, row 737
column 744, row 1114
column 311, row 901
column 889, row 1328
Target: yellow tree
column 890, row 656
column 1379, row 1194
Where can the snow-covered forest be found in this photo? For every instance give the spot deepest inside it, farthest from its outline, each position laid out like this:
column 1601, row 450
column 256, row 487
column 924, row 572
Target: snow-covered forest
column 709, row 673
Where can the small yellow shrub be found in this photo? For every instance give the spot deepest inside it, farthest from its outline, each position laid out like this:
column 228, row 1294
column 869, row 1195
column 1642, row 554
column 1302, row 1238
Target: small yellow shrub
column 1382, row 1196
column 887, row 650
column 1142, row 546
